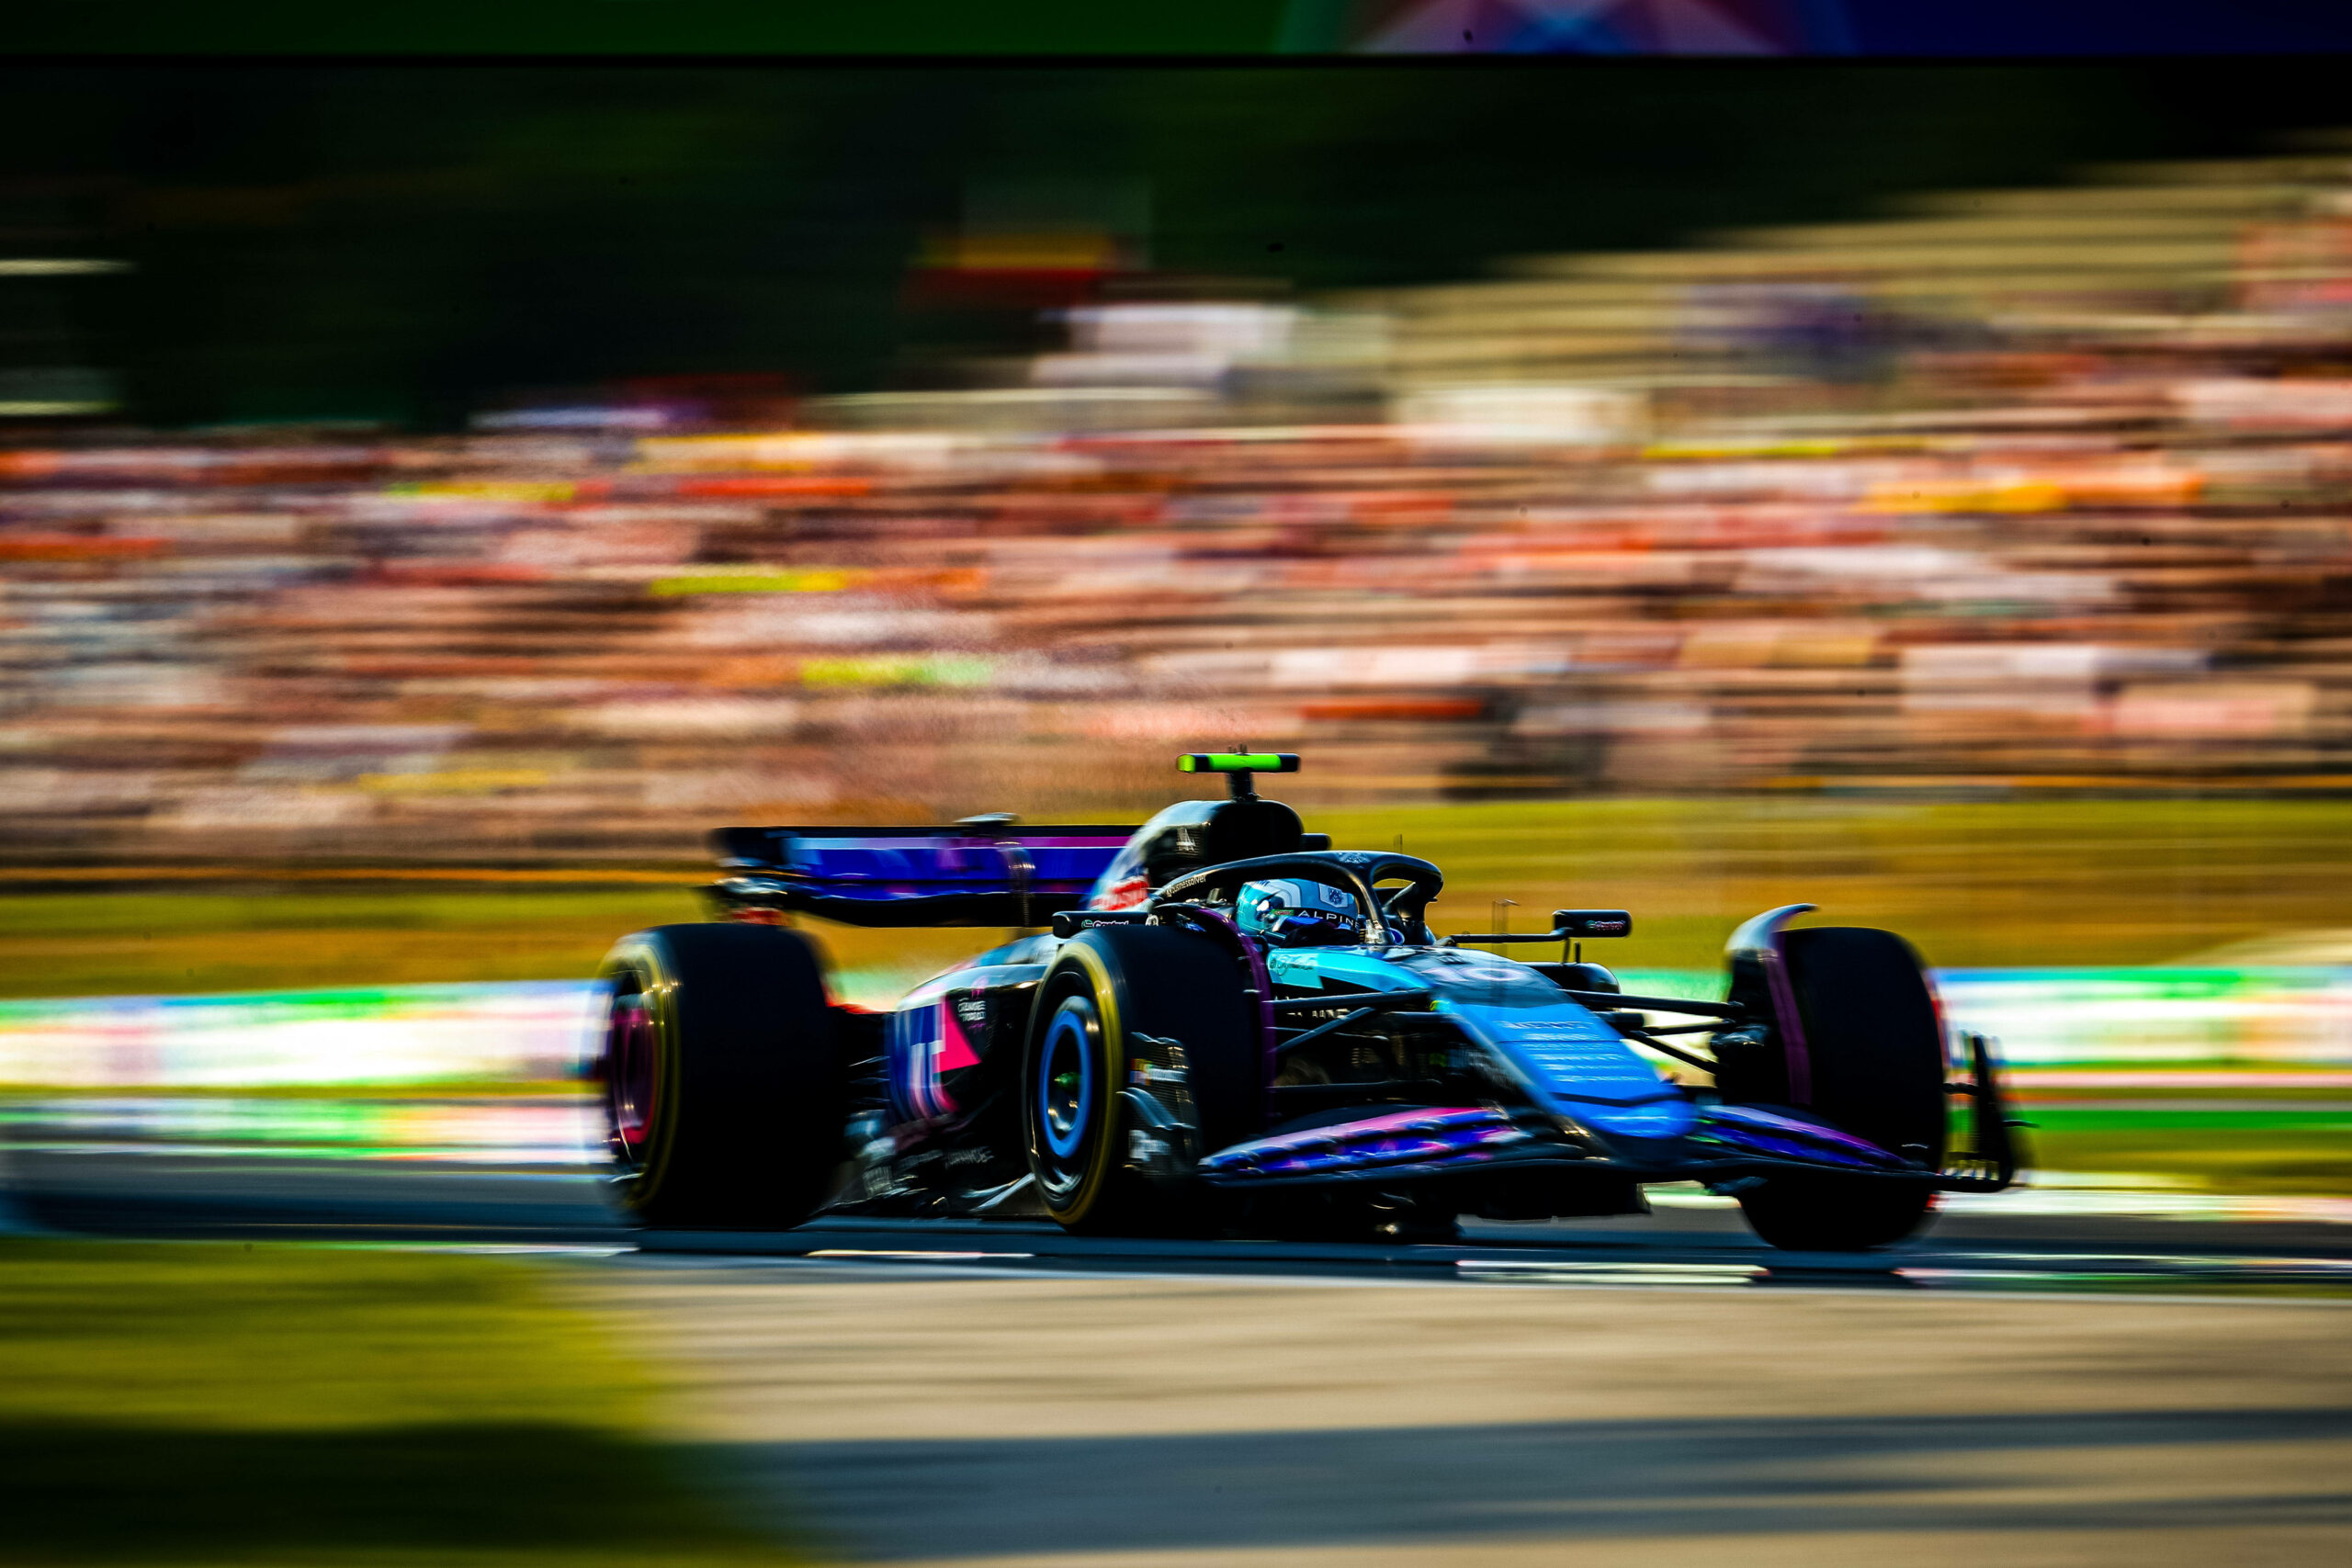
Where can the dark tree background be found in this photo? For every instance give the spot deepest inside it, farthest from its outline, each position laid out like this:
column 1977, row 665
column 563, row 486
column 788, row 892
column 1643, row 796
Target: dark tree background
column 405, row 242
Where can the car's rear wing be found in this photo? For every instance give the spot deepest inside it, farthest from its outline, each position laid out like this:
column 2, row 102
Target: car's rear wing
column 967, row 875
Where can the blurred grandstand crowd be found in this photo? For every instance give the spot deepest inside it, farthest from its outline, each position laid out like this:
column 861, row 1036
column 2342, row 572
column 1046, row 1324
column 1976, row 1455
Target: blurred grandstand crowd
column 2010, row 490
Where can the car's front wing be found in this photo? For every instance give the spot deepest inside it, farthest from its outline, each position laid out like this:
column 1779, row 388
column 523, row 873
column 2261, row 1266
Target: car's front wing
column 1422, row 1144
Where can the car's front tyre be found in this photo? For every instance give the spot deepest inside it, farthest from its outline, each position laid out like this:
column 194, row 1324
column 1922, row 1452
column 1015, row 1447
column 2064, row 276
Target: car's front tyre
column 1107, row 987
column 1875, row 1050
column 1830, row 1213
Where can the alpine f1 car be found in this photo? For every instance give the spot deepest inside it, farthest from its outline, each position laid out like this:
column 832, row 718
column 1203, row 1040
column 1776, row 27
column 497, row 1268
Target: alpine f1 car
column 1220, row 1023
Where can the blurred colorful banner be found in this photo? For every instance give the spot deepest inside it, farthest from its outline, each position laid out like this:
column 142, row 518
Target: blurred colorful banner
column 530, row 1032
column 2273, row 1017
column 565, row 1130
column 543, row 1032
column 2258, row 1018
column 496, row 1074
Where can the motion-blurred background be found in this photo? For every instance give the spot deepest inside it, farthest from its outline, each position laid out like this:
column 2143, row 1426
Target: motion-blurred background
column 432, row 497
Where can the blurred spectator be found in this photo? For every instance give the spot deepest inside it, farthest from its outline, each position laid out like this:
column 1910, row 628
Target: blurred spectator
column 2025, row 488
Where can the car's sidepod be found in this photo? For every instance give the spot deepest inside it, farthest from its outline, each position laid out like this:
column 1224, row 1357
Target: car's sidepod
column 1567, row 1060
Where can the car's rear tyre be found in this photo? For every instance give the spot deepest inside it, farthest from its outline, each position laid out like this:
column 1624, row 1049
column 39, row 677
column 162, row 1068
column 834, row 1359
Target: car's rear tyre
column 1874, row 1046
column 722, row 1072
column 1107, row 987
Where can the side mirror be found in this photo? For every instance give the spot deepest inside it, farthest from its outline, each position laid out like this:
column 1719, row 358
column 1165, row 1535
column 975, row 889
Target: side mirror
column 1068, row 923
column 1582, row 923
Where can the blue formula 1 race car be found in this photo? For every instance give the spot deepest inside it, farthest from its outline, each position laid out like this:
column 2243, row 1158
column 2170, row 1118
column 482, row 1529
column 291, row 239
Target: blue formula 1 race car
column 1232, row 1027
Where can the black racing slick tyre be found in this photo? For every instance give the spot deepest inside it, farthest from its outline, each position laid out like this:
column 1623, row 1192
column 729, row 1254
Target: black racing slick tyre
column 1829, row 1214
column 1107, row 987
column 1874, row 1045
column 723, row 1076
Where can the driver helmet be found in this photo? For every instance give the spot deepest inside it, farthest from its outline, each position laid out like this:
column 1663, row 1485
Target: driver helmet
column 1293, row 912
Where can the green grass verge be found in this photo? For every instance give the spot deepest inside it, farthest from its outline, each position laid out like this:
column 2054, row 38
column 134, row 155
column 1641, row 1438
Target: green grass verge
column 214, row 1404
column 1973, row 884
column 2221, row 1151
column 1981, row 883
column 87, row 943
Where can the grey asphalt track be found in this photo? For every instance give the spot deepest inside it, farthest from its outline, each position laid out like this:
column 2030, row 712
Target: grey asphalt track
column 162, row 1193
column 927, row 1415
column 1666, row 1391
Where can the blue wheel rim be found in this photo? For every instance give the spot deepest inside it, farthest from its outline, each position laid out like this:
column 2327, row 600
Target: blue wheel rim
column 1066, row 1082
